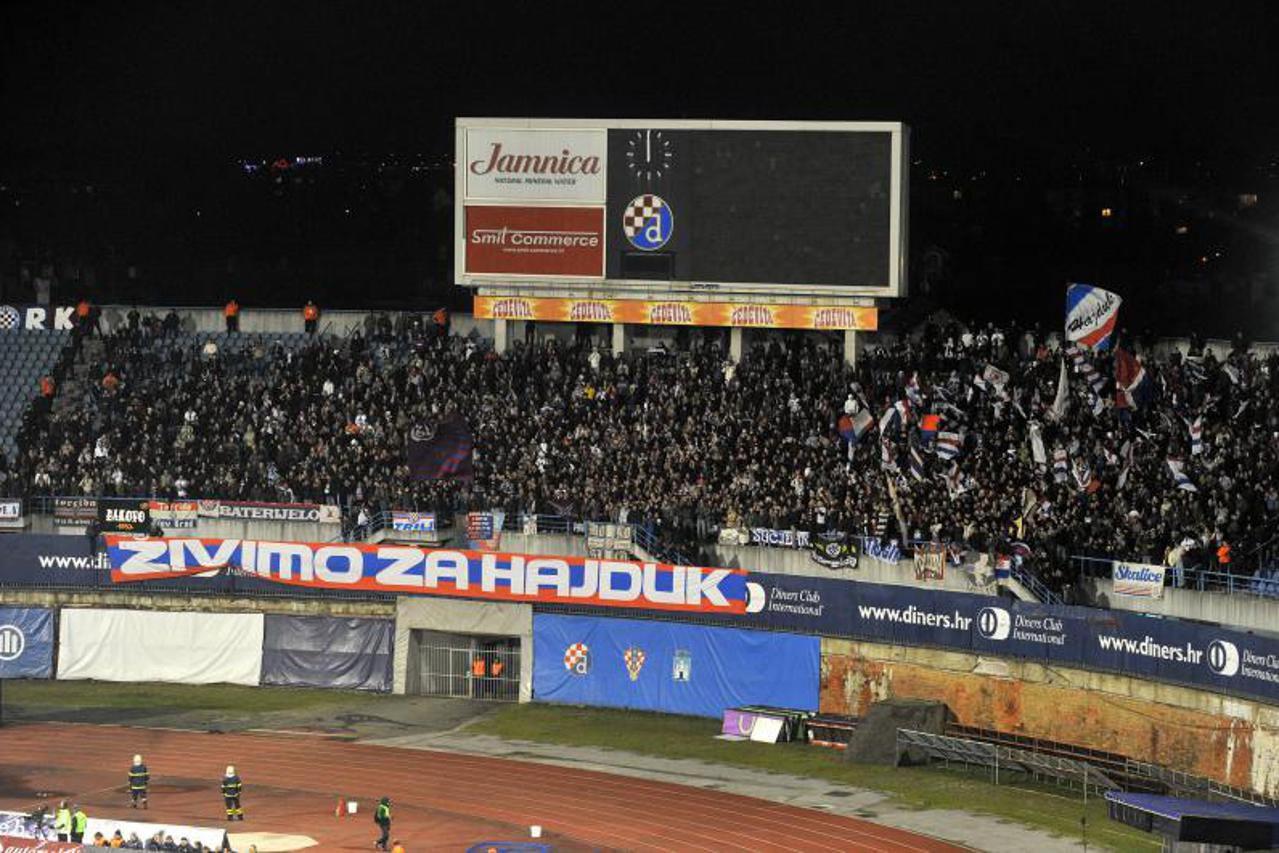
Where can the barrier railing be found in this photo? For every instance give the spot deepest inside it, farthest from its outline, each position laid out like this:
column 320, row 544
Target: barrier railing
column 1200, row 580
column 1037, row 587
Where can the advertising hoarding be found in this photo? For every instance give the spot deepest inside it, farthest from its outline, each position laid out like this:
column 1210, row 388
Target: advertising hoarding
column 535, row 241
column 521, row 164
column 670, row 312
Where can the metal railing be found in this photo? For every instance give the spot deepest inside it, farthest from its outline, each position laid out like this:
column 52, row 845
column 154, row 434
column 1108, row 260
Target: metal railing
column 1037, row 587
column 1006, row 759
column 1199, row 580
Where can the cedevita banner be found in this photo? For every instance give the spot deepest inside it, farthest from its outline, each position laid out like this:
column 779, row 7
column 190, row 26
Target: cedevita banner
column 676, row 313
column 403, row 570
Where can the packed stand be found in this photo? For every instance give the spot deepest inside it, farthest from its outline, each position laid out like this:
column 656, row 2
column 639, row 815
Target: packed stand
column 691, row 442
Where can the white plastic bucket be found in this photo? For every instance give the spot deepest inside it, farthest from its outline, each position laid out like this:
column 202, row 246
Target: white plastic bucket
column 352, row 806
column 535, row 831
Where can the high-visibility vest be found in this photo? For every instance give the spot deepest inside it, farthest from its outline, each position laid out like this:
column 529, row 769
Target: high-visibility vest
column 79, row 822
column 82, row 309
column 232, row 309
column 496, row 669
column 62, row 822
column 310, row 312
column 477, row 667
column 1223, row 554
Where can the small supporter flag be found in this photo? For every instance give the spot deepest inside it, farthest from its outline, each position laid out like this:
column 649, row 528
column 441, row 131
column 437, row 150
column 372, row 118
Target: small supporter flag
column 949, row 444
column 853, row 427
column 1091, row 315
column 443, row 453
column 1133, row 385
column 916, row 464
column 929, row 425
column 1197, row 436
column 1179, row 477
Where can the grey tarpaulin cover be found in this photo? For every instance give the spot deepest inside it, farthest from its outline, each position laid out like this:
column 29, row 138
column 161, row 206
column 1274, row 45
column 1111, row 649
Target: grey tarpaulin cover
column 326, row 651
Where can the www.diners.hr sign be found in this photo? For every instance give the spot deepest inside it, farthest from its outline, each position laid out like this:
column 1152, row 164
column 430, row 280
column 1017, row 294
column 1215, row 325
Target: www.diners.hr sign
column 419, row 571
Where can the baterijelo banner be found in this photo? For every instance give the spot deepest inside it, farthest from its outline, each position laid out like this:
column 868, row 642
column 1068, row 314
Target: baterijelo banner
column 402, row 570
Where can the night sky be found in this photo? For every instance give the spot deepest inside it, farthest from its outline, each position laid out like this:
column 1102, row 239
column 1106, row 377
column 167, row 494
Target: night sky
column 975, row 80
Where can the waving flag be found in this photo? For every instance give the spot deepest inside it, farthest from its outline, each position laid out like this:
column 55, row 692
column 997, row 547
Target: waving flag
column 1133, row 385
column 1091, row 314
column 916, row 464
column 443, row 453
column 1061, row 403
column 949, row 444
column 928, row 427
column 913, row 392
column 1060, row 468
column 1179, row 477
column 1197, row 436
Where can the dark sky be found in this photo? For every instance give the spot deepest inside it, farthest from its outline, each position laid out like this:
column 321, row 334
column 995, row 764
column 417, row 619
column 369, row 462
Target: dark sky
column 974, row 79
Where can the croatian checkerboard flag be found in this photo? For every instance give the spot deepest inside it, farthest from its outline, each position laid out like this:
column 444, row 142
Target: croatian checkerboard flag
column 1197, row 436
column 1091, row 314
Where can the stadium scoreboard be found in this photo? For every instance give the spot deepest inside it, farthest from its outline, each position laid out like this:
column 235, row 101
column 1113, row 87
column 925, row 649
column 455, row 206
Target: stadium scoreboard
column 682, row 209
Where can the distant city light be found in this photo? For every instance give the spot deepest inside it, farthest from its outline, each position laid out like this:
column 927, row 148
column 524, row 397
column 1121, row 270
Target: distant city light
column 1182, row 229
column 1106, row 213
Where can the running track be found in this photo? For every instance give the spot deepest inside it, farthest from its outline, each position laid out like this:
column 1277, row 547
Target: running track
column 443, row 801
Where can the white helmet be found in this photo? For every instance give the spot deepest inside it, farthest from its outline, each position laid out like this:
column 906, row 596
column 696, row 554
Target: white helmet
column 137, row 759
column 230, row 770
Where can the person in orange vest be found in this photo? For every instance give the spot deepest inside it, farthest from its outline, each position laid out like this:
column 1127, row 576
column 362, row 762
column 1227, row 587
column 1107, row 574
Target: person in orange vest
column 310, row 317
column 48, row 387
column 441, row 320
column 232, row 314
column 1223, row 556
column 495, row 668
column 477, row 667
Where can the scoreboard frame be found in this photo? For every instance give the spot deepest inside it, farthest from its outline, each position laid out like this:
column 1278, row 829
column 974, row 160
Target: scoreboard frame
column 583, row 191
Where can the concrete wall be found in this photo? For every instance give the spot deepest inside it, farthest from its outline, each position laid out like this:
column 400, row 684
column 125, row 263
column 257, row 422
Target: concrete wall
column 456, row 616
column 195, row 603
column 1238, row 610
column 220, row 528
column 1234, row 741
column 279, row 320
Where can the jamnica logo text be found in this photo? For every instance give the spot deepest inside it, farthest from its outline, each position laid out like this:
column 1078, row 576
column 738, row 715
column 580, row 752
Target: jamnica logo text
column 566, row 163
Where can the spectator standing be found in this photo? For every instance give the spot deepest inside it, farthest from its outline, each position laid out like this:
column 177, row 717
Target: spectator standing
column 232, row 314
column 382, row 817
column 139, row 780
column 231, row 788
column 310, row 317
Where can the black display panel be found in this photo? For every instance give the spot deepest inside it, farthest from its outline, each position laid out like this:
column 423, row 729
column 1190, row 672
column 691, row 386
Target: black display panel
column 783, row 207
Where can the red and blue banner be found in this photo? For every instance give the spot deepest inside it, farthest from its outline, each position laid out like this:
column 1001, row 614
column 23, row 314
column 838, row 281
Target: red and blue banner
column 1091, row 315
column 406, row 570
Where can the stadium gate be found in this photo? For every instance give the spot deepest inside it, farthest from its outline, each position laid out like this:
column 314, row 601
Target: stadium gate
column 462, row 666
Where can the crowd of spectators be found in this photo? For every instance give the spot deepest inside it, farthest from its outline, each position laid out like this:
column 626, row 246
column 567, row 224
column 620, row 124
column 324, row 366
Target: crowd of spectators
column 690, row 442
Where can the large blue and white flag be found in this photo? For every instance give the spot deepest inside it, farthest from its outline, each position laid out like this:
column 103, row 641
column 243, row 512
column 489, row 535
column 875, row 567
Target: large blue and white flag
column 1091, row 314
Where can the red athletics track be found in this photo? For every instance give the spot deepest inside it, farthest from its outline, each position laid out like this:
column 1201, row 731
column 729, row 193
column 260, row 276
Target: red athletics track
column 442, row 801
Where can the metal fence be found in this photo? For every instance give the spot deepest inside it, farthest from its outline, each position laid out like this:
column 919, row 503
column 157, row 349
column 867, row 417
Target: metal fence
column 1261, row 583
column 469, row 673
column 1012, row 762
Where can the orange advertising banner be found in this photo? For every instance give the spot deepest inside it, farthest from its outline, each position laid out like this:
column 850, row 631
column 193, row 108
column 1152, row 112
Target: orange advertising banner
column 676, row 313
